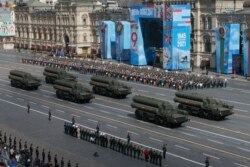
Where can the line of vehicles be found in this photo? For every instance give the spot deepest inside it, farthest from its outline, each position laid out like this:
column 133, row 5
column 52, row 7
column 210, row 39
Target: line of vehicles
column 146, row 108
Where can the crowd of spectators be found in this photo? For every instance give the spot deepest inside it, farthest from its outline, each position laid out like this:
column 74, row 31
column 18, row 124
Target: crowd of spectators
column 180, row 80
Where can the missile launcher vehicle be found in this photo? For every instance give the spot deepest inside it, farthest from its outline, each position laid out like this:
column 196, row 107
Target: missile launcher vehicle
column 109, row 87
column 52, row 74
column 158, row 111
column 23, row 80
column 202, row 106
column 73, row 91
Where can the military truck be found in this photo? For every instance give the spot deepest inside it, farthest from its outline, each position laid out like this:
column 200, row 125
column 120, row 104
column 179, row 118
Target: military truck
column 109, row 87
column 23, row 80
column 73, row 91
column 158, row 111
column 202, row 106
column 52, row 74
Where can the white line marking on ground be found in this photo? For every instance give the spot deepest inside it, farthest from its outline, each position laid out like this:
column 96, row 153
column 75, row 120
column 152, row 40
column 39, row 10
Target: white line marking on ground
column 112, row 107
column 143, row 122
column 189, row 134
column 73, row 103
column 46, row 96
column 106, row 112
column 247, row 104
column 32, row 102
column 244, row 149
column 181, row 147
column 122, row 116
column 132, row 132
column 240, row 110
column 8, row 95
column 142, row 91
column 20, row 99
column 60, row 100
column 169, row 129
column 47, row 91
column 64, row 120
column 33, row 93
column 21, row 90
column 215, row 141
column 91, row 120
column 211, row 156
column 216, row 134
column 89, row 107
column 2, row 84
column 244, row 91
column 160, row 94
column 45, row 106
column 74, row 115
column 240, row 165
column 112, row 126
column 60, row 111
column 155, row 139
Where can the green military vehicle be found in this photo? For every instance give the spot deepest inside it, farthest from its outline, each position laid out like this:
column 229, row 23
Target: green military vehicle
column 109, row 87
column 52, row 74
column 202, row 106
column 73, row 91
column 158, row 111
column 23, row 80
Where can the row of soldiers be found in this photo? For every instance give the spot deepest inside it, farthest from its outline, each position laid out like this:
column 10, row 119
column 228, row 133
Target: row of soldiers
column 24, row 154
column 125, row 147
column 145, row 75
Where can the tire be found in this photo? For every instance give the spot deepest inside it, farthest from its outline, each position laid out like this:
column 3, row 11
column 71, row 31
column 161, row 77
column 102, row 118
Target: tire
column 137, row 114
column 12, row 83
column 157, row 120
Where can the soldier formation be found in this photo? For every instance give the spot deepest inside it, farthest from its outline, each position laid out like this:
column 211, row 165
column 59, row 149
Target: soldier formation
column 23, row 155
column 145, row 75
column 124, row 147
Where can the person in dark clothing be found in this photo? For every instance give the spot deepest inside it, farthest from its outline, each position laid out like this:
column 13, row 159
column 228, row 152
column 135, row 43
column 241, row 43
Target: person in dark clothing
column 128, row 138
column 49, row 115
column 20, row 144
column 55, row 160
column 49, row 157
column 5, row 138
column 73, row 120
column 31, row 149
column 62, row 162
column 164, row 150
column 207, row 162
column 43, row 156
column 28, row 108
column 69, row 164
column 37, row 152
column 97, row 129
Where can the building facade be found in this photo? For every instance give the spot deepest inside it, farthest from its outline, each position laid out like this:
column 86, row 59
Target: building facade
column 204, row 20
column 7, row 28
column 64, row 26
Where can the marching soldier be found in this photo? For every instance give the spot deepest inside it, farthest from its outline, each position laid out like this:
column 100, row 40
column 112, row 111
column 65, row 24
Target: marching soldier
column 97, row 129
column 5, row 138
column 69, row 164
column 73, row 120
column 10, row 141
column 25, row 145
column 15, row 143
column 55, row 160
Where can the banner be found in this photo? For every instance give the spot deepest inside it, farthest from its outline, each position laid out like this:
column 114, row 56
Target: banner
column 123, row 42
column 227, row 48
column 107, row 39
column 246, row 55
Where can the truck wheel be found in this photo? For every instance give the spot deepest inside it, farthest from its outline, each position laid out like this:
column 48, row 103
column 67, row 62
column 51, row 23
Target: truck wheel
column 36, row 87
column 46, row 80
column 12, row 83
column 144, row 117
column 157, row 120
column 87, row 101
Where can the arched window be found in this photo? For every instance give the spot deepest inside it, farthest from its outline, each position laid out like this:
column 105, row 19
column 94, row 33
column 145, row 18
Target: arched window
column 209, row 23
column 207, row 43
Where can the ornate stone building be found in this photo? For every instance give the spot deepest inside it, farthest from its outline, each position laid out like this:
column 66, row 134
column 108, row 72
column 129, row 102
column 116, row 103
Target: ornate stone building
column 65, row 26
column 203, row 20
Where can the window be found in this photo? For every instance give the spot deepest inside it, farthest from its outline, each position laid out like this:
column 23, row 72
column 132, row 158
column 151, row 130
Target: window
column 84, row 37
column 207, row 44
column 203, row 23
column 209, row 23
